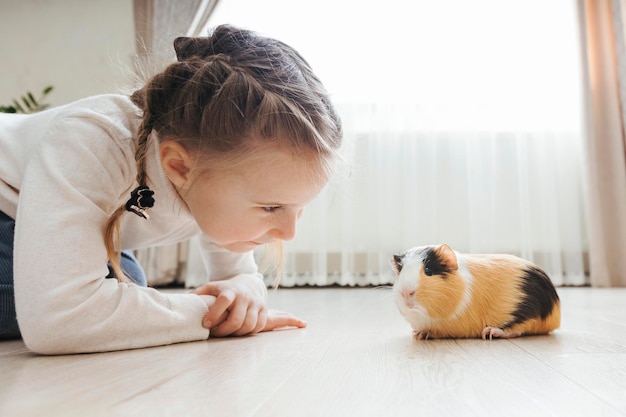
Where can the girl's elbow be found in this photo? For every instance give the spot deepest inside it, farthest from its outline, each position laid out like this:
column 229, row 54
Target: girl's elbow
column 47, row 338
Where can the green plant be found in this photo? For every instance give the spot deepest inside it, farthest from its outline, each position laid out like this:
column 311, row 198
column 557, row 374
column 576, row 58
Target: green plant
column 29, row 103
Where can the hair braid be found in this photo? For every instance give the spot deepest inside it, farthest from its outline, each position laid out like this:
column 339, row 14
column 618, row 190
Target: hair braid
column 141, row 151
column 112, row 238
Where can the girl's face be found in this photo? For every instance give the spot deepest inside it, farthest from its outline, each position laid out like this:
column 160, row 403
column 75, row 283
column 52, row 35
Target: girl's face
column 259, row 203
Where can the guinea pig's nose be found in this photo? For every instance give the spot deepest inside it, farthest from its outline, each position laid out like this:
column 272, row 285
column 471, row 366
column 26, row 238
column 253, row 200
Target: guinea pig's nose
column 408, row 299
column 409, row 295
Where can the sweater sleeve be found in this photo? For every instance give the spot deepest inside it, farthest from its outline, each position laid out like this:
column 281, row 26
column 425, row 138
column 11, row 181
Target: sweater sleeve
column 222, row 264
column 73, row 182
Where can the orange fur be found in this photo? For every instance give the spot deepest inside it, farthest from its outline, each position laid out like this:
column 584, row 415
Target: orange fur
column 440, row 298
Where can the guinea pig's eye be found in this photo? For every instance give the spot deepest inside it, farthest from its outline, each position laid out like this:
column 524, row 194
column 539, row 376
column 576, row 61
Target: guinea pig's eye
column 428, row 271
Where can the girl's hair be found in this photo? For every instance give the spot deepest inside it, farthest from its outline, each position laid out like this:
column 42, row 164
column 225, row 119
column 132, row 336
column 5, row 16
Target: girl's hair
column 224, row 90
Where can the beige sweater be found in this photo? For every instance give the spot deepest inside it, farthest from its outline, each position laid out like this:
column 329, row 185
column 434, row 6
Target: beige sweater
column 62, row 173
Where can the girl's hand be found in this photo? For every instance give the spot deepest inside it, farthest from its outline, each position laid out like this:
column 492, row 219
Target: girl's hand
column 239, row 306
column 238, row 299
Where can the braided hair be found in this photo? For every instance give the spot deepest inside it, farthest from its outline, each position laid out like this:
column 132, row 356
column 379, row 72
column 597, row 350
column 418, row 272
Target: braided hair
column 224, row 89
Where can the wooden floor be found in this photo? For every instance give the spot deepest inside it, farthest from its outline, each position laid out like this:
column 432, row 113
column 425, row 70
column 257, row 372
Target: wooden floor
column 356, row 358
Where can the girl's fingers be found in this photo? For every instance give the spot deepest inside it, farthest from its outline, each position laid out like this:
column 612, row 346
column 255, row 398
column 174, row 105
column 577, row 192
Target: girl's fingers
column 261, row 321
column 252, row 317
column 222, row 303
column 210, row 288
column 277, row 319
column 241, row 321
column 236, row 319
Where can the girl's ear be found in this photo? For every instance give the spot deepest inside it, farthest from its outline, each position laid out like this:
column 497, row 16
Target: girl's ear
column 176, row 163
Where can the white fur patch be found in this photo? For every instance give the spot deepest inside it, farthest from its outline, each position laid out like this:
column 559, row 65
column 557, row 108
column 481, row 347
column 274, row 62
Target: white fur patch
column 408, row 281
column 469, row 281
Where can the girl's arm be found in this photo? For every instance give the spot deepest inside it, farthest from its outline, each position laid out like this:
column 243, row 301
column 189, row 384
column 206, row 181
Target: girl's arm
column 73, row 181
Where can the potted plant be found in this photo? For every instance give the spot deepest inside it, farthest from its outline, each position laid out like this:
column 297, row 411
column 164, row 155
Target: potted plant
column 28, row 104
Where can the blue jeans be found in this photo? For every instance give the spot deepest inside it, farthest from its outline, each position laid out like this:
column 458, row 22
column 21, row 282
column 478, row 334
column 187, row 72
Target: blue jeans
column 8, row 321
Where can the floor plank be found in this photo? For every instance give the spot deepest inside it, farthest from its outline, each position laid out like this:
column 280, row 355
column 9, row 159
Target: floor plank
column 356, row 357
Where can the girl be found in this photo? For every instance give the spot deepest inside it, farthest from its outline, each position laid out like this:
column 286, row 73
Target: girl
column 230, row 143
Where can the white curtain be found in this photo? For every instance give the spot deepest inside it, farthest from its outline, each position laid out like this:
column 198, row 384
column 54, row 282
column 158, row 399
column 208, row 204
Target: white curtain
column 157, row 24
column 500, row 191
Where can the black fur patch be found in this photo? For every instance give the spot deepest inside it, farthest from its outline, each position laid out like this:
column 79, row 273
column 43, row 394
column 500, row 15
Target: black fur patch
column 434, row 264
column 539, row 296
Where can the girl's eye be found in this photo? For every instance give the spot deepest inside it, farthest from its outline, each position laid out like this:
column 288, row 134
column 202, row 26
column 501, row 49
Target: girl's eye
column 270, row 209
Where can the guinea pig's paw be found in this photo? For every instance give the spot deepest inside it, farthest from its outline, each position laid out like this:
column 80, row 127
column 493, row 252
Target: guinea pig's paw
column 497, row 333
column 421, row 335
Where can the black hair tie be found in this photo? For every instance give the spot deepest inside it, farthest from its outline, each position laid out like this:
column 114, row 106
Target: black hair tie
column 140, row 201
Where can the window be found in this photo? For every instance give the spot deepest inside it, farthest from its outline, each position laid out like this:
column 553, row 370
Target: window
column 466, row 64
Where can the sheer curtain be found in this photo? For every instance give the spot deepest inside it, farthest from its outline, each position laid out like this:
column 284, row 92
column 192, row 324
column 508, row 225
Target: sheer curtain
column 462, row 126
column 157, row 24
column 604, row 36
column 509, row 191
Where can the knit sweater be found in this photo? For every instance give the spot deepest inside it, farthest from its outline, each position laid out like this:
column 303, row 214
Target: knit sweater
column 62, row 173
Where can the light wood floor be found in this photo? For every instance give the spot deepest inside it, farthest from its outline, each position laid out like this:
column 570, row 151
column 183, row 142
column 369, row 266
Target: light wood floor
column 356, row 358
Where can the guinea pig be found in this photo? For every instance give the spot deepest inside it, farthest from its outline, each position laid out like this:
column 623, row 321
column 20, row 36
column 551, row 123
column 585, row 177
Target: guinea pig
column 445, row 294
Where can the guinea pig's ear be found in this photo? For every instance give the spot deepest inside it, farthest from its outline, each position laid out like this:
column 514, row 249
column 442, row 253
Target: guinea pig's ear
column 447, row 257
column 397, row 263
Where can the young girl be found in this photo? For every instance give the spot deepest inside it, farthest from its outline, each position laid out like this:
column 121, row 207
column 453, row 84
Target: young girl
column 230, row 143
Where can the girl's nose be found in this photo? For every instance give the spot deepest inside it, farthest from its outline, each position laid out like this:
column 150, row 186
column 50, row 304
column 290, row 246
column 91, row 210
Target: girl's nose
column 285, row 227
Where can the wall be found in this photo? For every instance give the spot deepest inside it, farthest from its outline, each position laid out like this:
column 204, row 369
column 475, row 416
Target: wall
column 81, row 48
